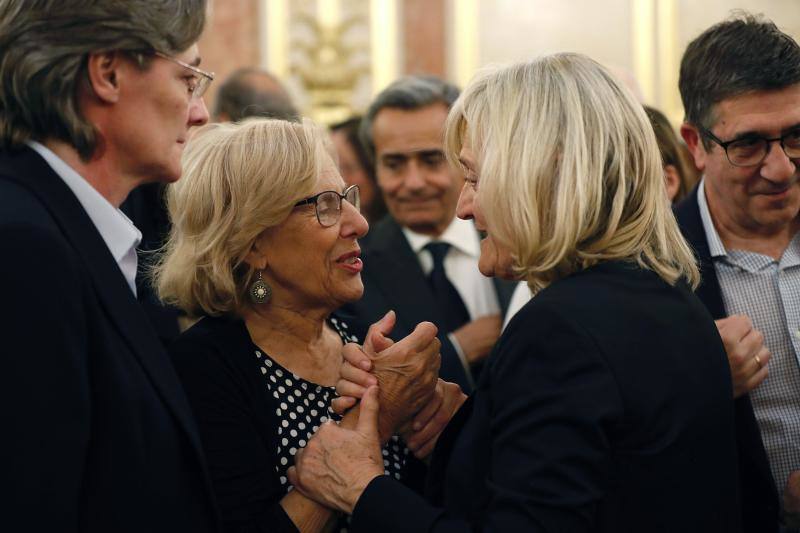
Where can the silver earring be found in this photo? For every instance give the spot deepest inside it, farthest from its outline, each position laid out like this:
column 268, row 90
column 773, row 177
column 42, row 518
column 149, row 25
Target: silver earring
column 260, row 292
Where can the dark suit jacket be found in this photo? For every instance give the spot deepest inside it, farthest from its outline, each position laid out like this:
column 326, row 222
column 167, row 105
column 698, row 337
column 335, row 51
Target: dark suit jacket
column 605, row 407
column 760, row 506
column 98, row 435
column 393, row 279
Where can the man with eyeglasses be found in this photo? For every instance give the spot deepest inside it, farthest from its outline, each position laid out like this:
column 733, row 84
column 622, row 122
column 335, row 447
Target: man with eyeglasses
column 96, row 98
column 740, row 85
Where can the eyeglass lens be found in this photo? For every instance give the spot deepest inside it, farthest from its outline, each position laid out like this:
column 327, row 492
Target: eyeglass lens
column 201, row 84
column 329, row 205
column 752, row 151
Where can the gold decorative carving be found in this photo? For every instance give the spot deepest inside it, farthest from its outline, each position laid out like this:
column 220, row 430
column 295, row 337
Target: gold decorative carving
column 328, row 56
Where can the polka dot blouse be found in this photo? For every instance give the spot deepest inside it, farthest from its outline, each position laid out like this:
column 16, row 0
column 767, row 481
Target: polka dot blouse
column 302, row 406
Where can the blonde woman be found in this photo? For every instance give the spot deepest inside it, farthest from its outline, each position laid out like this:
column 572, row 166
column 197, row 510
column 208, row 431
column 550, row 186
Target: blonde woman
column 606, row 405
column 264, row 246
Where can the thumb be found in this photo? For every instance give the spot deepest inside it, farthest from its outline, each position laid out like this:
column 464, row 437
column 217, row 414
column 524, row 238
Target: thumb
column 378, row 335
column 368, row 416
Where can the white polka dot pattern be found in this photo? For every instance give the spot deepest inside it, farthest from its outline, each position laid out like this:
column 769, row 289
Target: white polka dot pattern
column 302, row 406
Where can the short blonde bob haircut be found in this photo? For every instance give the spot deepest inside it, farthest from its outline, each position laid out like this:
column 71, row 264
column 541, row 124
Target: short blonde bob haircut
column 570, row 173
column 238, row 180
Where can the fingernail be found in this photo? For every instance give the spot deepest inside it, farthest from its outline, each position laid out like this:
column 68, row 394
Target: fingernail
column 366, row 365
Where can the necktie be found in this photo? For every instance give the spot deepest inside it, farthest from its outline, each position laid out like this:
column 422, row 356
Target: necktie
column 451, row 306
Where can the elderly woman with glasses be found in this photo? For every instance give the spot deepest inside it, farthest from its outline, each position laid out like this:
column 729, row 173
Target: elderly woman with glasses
column 264, row 246
column 606, row 405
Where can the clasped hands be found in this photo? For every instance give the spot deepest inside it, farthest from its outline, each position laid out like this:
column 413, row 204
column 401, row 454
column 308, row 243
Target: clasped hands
column 399, row 391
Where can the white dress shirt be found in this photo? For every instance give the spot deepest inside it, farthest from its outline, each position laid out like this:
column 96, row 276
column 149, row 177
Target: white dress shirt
column 521, row 295
column 116, row 229
column 461, row 266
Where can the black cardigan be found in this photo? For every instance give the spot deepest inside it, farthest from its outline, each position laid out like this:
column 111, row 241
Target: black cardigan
column 236, row 417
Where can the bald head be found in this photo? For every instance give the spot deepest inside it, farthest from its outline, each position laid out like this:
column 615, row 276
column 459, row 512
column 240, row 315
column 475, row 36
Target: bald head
column 253, row 92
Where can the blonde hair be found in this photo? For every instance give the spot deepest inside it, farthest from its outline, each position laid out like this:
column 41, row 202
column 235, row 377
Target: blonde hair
column 238, row 180
column 570, row 170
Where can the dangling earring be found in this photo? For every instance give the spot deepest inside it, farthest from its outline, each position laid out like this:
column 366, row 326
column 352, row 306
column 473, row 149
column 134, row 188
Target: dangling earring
column 260, row 292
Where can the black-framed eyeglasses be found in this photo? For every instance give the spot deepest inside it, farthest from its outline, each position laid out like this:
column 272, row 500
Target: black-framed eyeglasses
column 198, row 83
column 749, row 151
column 328, row 204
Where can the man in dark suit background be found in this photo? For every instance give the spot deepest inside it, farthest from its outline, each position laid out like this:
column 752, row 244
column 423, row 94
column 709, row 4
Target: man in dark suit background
column 422, row 261
column 740, row 85
column 96, row 98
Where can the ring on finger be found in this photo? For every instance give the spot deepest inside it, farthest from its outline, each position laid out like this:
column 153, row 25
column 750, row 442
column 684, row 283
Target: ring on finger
column 758, row 361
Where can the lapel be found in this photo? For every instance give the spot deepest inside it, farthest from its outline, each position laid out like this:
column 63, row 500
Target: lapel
column 394, row 267
column 30, row 171
column 688, row 215
column 752, row 455
column 504, row 290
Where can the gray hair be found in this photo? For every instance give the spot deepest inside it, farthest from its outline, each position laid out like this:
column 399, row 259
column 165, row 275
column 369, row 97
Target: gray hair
column 239, row 98
column 409, row 93
column 44, row 45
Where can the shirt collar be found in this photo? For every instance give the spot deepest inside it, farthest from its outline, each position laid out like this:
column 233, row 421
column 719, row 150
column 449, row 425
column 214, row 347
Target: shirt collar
column 790, row 258
column 460, row 234
column 116, row 229
column 715, row 246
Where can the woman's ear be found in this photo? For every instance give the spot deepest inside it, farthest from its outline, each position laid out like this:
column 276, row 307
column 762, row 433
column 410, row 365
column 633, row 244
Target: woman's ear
column 257, row 256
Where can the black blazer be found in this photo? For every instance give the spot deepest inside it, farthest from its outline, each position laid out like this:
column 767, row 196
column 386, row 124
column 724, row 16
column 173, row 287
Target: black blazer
column 393, row 279
column 605, row 407
column 98, row 435
column 760, row 504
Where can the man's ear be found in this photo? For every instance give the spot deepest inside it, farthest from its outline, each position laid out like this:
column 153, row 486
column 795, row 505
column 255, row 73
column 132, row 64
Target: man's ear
column 673, row 180
column 695, row 145
column 103, row 71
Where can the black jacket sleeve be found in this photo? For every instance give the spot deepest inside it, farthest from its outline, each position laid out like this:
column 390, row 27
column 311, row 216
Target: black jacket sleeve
column 552, row 397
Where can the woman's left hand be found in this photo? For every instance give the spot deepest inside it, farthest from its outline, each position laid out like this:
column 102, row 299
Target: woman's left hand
column 337, row 464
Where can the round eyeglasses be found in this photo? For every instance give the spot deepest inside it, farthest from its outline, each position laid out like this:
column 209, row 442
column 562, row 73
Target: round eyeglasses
column 328, row 204
column 751, row 150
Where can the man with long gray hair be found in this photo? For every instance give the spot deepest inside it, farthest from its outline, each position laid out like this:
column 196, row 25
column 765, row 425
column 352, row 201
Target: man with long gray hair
column 96, row 98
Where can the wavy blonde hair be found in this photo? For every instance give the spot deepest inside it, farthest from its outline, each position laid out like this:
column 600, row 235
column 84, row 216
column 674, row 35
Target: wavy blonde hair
column 570, row 173
column 238, row 180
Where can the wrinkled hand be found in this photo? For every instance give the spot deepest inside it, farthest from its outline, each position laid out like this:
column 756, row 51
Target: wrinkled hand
column 354, row 375
column 406, row 372
column 337, row 464
column 791, row 501
column 433, row 418
column 747, row 355
column 477, row 338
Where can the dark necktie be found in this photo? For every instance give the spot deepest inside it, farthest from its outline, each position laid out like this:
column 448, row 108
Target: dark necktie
column 451, row 306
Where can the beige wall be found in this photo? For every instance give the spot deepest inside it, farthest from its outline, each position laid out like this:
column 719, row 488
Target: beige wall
column 644, row 38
